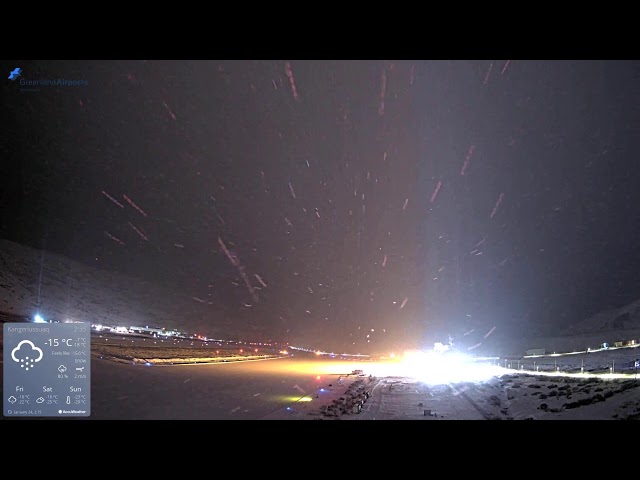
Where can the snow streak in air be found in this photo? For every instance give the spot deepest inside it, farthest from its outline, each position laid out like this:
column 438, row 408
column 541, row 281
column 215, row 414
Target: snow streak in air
column 383, row 89
column 234, row 261
column 131, row 202
column 435, row 192
column 467, row 159
column 112, row 199
column 138, row 231
column 294, row 90
column 495, row 209
column 115, row 239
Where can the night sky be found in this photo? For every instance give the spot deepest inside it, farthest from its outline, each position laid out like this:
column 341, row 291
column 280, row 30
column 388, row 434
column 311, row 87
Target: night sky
column 361, row 205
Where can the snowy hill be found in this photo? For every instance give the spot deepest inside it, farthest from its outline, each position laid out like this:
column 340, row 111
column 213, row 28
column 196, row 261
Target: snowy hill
column 617, row 319
column 559, row 344
column 610, row 326
column 69, row 290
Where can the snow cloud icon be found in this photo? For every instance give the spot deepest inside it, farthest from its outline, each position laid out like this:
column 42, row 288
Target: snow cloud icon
column 26, row 356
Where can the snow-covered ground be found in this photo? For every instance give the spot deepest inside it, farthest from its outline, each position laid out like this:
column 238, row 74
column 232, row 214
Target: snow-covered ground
column 169, row 355
column 511, row 396
column 429, row 386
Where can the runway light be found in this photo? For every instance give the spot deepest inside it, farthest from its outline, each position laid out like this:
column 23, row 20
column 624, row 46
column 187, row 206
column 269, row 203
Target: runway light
column 39, row 319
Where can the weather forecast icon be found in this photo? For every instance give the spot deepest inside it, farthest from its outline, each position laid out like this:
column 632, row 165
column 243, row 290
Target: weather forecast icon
column 28, row 356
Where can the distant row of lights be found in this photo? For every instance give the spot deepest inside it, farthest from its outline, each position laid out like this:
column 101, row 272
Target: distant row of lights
column 319, row 352
column 40, row 319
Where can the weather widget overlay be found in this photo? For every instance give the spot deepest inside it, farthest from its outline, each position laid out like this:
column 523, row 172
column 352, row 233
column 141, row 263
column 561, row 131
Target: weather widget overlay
column 47, row 370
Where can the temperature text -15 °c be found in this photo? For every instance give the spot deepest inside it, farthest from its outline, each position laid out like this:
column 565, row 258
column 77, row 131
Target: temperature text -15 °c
column 55, row 342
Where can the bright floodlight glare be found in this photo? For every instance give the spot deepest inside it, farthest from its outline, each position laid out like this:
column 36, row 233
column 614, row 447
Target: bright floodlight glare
column 436, row 368
column 439, row 347
column 38, row 319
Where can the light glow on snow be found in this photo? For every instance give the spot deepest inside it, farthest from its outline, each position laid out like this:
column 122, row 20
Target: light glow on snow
column 437, row 368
